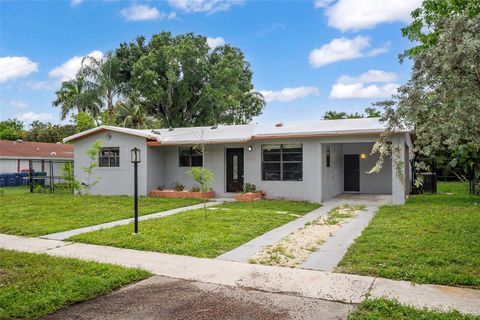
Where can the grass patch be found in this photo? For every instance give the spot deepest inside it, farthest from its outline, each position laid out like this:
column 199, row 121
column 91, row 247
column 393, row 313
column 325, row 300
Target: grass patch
column 336, row 215
column 34, row 285
column 33, row 214
column 390, row 309
column 189, row 233
column 430, row 239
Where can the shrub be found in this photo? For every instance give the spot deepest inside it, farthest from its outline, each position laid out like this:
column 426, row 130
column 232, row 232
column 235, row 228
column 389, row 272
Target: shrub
column 195, row 189
column 249, row 187
column 177, row 186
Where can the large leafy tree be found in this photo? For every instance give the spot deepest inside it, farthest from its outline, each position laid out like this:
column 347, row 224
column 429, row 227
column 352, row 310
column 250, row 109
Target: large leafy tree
column 47, row 132
column 11, row 129
column 428, row 21
column 184, row 82
column 441, row 102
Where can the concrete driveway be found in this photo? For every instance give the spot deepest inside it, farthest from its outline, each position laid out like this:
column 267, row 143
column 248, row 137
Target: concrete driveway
column 167, row 298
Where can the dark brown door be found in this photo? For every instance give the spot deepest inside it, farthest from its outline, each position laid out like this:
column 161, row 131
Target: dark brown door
column 234, row 170
column 351, row 172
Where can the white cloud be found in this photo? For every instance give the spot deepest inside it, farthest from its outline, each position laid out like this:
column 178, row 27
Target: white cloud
column 18, row 104
column 343, row 49
column 32, row 116
column 356, row 15
column 289, row 94
column 16, row 67
column 370, row 76
column 363, row 85
column 69, row 68
column 140, row 12
column 215, row 42
column 74, row 3
column 208, row 6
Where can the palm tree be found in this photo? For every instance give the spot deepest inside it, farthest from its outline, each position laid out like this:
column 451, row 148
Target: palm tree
column 102, row 81
column 74, row 96
column 132, row 114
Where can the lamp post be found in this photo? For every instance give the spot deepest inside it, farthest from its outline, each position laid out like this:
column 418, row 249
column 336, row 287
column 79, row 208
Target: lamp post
column 135, row 159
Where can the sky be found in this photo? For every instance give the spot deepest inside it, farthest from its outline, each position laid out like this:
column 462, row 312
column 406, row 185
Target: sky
column 307, row 57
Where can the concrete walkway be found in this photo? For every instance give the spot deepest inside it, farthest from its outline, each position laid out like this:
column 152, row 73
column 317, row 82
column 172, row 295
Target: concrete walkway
column 249, row 249
column 329, row 255
column 304, row 283
column 70, row 233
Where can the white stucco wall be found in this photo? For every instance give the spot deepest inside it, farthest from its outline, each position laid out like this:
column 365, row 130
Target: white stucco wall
column 116, row 180
column 160, row 167
column 400, row 183
column 332, row 177
column 155, row 168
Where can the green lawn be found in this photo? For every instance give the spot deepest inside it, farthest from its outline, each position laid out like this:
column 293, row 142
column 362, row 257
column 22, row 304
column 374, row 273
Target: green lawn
column 33, row 214
column 431, row 239
column 34, row 285
column 382, row 309
column 189, row 233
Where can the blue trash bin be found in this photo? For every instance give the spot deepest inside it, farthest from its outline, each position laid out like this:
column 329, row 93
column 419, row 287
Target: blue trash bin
column 3, row 180
column 19, row 181
column 11, row 180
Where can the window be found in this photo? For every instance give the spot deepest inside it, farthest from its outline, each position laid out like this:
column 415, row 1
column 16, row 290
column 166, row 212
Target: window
column 282, row 162
column 109, row 157
column 189, row 157
column 328, row 156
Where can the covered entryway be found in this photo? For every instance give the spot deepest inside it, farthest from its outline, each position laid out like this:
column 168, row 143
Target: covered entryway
column 351, row 175
column 234, row 170
column 345, row 168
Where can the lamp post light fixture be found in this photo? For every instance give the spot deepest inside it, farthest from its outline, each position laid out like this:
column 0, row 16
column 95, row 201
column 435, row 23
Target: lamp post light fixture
column 135, row 159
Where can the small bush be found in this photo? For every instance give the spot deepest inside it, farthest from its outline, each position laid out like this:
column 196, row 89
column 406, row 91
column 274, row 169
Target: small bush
column 195, row 189
column 177, row 186
column 249, row 187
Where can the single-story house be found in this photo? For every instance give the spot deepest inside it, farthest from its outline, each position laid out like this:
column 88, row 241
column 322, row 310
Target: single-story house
column 311, row 160
column 15, row 156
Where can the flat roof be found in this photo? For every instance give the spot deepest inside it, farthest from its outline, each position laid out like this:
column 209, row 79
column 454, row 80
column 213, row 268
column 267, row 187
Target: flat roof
column 247, row 132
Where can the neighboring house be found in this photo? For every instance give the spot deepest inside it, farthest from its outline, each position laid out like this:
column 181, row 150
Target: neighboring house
column 15, row 156
column 311, row 160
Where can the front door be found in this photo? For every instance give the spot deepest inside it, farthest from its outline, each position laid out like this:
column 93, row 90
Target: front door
column 234, row 170
column 351, row 172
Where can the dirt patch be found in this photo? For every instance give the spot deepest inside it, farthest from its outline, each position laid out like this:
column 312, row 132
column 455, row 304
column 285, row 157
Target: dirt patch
column 166, row 298
column 295, row 248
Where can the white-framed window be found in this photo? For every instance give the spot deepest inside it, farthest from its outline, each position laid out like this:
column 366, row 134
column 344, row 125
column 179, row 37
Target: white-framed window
column 109, row 157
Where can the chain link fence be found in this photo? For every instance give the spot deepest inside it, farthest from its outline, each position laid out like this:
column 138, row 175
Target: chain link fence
column 37, row 175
